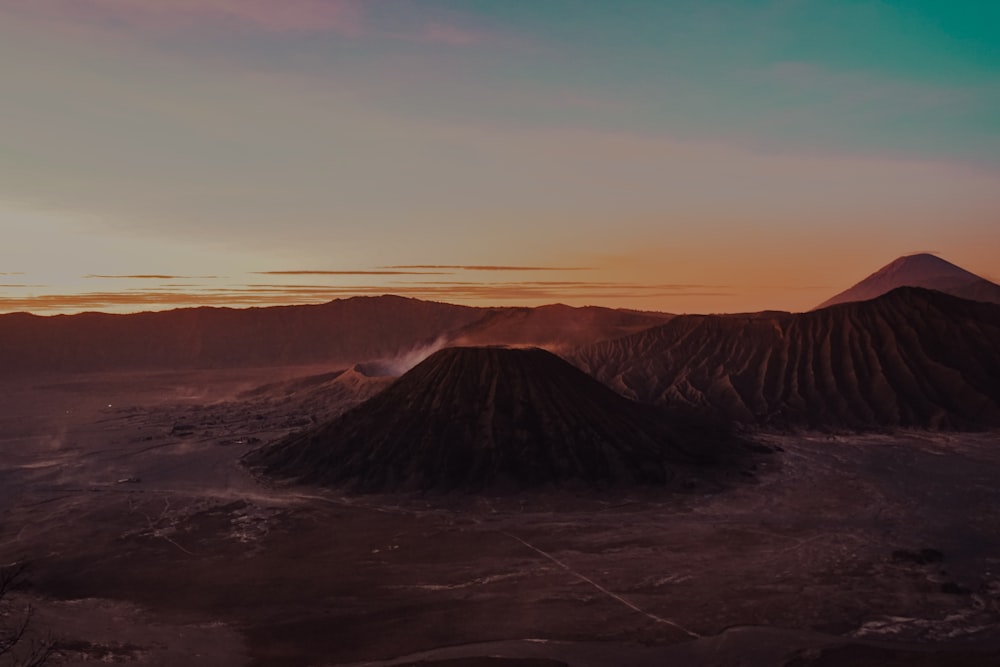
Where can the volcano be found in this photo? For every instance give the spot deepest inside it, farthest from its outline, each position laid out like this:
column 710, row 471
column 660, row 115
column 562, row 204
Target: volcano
column 920, row 270
column 912, row 358
column 475, row 418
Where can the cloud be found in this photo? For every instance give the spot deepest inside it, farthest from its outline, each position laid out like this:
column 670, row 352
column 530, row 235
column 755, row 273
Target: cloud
column 268, row 295
column 867, row 94
column 795, row 288
column 379, row 272
column 450, row 35
column 475, row 267
column 573, row 284
column 341, row 16
column 347, row 18
column 147, row 276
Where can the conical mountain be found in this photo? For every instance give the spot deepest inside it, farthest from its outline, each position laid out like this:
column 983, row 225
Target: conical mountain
column 478, row 418
column 920, row 270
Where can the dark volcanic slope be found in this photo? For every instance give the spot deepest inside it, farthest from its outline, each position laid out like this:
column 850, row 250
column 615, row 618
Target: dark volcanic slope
column 321, row 396
column 913, row 357
column 472, row 418
column 920, row 270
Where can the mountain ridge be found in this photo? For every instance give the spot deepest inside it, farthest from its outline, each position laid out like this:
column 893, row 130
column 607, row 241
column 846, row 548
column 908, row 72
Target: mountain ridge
column 913, row 357
column 341, row 332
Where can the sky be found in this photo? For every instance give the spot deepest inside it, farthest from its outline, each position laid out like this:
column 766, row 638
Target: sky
column 682, row 155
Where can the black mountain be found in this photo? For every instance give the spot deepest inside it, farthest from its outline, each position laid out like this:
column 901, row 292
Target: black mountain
column 478, row 418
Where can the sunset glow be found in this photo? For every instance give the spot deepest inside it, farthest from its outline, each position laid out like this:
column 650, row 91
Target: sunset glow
column 682, row 157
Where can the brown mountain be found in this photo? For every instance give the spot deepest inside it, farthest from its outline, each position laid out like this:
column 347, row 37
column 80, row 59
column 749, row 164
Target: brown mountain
column 920, row 270
column 912, row 357
column 475, row 418
column 342, row 332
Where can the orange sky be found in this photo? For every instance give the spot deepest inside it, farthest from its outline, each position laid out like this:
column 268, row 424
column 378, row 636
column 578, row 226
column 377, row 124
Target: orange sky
column 660, row 156
column 790, row 272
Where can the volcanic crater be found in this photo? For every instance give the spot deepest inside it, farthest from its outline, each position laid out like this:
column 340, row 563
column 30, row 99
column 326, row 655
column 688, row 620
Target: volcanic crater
column 478, row 418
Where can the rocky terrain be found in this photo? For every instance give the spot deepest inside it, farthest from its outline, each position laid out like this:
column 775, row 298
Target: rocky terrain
column 913, row 357
column 149, row 544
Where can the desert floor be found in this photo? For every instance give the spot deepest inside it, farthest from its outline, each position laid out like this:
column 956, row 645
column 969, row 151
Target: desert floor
column 150, row 544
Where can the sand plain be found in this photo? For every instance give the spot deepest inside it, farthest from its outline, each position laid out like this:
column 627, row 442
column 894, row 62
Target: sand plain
column 150, row 544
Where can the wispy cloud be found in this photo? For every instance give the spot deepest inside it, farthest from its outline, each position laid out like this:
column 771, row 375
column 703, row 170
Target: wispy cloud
column 796, row 288
column 347, row 18
column 448, row 34
column 378, row 272
column 147, row 276
column 861, row 87
column 478, row 267
column 342, row 16
column 274, row 294
column 870, row 98
column 573, row 284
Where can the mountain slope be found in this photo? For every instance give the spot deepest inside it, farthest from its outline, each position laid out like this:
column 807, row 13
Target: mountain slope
column 921, row 270
column 339, row 333
column 474, row 418
column 324, row 395
column 912, row 357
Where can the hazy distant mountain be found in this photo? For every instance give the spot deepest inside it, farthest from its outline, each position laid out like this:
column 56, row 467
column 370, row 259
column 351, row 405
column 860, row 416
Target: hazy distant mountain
column 341, row 332
column 472, row 418
column 921, row 270
column 913, row 357
column 338, row 333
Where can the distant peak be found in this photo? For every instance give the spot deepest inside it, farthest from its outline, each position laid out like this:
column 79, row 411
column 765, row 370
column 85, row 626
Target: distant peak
column 916, row 270
column 921, row 269
column 922, row 258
